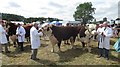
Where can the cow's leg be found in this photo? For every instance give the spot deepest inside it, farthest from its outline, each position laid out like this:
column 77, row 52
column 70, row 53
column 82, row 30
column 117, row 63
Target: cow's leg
column 53, row 47
column 14, row 43
column 72, row 40
column 65, row 42
column 88, row 47
column 59, row 44
column 83, row 44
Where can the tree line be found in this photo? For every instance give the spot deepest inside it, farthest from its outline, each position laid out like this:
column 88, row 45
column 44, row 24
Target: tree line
column 14, row 17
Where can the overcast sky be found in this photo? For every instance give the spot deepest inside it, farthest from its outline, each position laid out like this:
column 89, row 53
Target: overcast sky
column 62, row 9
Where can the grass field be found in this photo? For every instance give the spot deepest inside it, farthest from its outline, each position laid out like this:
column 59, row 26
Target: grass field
column 68, row 56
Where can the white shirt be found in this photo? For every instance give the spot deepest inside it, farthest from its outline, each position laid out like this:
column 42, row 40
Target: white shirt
column 3, row 38
column 99, row 31
column 21, row 31
column 35, row 38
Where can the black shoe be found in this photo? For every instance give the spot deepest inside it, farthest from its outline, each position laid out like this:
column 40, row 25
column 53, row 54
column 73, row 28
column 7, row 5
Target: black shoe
column 99, row 56
column 21, row 49
column 107, row 58
column 7, row 52
column 35, row 58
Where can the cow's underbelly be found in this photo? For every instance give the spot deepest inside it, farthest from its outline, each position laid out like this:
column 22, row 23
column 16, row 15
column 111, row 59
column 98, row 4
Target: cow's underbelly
column 60, row 38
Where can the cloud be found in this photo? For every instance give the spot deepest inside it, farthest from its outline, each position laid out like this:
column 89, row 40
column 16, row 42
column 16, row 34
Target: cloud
column 56, row 5
column 13, row 4
column 44, row 13
column 62, row 9
column 106, row 9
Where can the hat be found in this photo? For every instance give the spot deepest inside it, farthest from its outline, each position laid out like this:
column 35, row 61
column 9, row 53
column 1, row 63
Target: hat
column 35, row 23
column 105, row 23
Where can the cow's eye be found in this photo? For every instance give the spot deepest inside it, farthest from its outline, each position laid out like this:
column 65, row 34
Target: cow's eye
column 48, row 29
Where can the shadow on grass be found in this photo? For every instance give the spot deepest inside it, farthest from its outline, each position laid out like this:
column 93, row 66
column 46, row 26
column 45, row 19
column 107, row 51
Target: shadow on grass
column 27, row 49
column 44, row 45
column 70, row 54
column 112, row 42
column 95, row 51
column 46, row 62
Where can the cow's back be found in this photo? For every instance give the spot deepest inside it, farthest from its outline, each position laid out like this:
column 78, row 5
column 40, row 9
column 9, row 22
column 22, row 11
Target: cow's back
column 64, row 33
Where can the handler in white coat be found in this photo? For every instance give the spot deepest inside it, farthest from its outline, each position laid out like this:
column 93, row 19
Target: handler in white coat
column 3, row 38
column 35, row 40
column 105, row 41
column 20, row 32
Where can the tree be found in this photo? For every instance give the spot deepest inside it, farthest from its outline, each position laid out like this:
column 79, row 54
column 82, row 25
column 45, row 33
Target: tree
column 84, row 12
column 104, row 19
column 12, row 17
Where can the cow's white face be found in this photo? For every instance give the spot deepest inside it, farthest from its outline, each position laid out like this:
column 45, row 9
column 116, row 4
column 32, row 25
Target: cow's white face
column 91, row 26
column 47, row 31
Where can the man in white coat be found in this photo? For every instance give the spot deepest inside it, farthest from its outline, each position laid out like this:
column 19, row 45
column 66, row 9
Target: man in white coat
column 20, row 32
column 3, row 38
column 35, row 40
column 104, row 44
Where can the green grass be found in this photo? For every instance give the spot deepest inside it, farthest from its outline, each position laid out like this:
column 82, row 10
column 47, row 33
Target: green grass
column 69, row 56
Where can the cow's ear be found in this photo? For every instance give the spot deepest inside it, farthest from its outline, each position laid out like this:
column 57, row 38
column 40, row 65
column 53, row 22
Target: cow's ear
column 51, row 26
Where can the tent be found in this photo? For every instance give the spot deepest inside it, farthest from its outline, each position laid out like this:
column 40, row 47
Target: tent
column 57, row 23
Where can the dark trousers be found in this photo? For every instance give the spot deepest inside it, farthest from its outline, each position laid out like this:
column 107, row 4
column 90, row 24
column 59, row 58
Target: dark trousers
column 34, row 54
column 20, row 45
column 98, row 43
column 6, row 47
column 118, row 57
column 104, row 51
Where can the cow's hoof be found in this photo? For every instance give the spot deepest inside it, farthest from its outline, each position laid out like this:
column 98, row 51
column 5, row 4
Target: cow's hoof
column 73, row 47
column 89, row 51
column 60, row 51
column 52, row 51
column 83, row 49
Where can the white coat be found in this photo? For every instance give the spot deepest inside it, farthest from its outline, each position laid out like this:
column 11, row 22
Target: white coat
column 99, row 31
column 21, row 31
column 105, row 43
column 35, row 38
column 3, row 38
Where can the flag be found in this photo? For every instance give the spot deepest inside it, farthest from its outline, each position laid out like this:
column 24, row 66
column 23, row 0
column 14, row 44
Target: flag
column 117, row 45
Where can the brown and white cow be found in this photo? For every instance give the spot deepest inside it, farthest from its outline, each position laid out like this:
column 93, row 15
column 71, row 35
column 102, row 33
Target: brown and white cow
column 86, row 36
column 58, row 34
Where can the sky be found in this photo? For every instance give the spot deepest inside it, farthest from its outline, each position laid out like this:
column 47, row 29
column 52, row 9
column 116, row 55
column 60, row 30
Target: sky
column 62, row 9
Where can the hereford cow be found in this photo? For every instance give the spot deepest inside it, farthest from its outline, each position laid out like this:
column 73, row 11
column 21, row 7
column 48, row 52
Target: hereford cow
column 57, row 34
column 62, row 33
column 86, row 36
